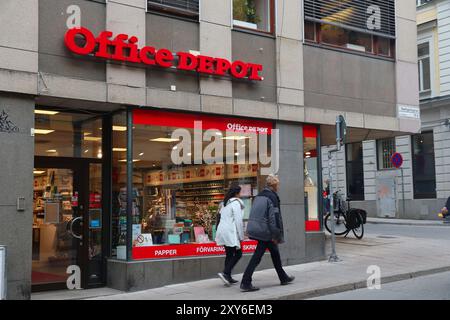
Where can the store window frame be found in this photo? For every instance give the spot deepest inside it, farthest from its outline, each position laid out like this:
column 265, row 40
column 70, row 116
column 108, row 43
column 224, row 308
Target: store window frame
column 272, row 25
column 353, row 197
column 387, row 164
column 172, row 11
column 130, row 183
column 432, row 194
column 375, row 42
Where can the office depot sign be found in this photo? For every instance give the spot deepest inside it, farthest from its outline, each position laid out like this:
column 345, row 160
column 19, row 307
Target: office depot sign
column 124, row 48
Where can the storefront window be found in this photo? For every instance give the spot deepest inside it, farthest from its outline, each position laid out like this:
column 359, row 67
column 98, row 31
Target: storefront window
column 253, row 14
column 64, row 134
column 183, row 165
column 311, row 181
column 119, row 183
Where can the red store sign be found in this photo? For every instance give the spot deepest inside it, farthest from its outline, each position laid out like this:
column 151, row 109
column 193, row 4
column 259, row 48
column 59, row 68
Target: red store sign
column 186, row 250
column 100, row 46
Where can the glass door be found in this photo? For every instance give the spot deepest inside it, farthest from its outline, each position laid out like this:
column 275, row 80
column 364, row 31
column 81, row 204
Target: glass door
column 57, row 225
column 67, row 225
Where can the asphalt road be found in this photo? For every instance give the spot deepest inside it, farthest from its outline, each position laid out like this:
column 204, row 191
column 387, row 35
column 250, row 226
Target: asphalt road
column 432, row 287
column 427, row 232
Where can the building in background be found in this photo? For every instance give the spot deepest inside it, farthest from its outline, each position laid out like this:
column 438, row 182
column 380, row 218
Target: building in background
column 87, row 115
column 366, row 173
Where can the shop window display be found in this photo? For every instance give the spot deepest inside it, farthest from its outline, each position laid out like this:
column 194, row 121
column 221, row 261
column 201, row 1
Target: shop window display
column 175, row 203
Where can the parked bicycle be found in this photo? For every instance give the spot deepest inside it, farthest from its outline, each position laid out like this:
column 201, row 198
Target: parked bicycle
column 346, row 219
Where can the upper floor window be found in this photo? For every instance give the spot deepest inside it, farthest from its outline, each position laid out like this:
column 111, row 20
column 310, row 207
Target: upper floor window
column 385, row 150
column 187, row 8
column 424, row 64
column 422, row 2
column 257, row 15
column 359, row 25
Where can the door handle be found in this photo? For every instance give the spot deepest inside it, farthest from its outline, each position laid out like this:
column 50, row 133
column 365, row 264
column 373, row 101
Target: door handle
column 77, row 236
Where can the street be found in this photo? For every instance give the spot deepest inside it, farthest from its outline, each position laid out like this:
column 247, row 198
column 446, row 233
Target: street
column 427, row 232
column 432, row 287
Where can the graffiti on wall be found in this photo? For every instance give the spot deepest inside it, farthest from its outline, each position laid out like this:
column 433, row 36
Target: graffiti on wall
column 7, row 125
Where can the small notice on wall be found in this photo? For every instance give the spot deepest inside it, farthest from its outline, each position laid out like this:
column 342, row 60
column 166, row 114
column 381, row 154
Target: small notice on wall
column 411, row 112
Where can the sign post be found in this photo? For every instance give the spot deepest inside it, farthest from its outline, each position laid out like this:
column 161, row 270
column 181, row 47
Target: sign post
column 341, row 134
column 397, row 162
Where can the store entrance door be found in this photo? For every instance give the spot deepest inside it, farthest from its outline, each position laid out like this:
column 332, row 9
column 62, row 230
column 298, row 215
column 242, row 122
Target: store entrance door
column 67, row 224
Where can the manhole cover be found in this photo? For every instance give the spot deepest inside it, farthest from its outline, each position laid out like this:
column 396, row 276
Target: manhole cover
column 387, row 237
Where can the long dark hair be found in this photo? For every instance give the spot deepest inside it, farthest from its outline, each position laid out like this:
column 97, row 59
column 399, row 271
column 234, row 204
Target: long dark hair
column 231, row 193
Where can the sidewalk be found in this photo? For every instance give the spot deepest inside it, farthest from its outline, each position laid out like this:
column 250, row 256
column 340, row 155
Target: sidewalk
column 398, row 257
column 408, row 222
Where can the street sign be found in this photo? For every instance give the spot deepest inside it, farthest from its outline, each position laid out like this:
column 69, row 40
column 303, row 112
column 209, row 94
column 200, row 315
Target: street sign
column 341, row 131
column 397, row 160
column 2, row 272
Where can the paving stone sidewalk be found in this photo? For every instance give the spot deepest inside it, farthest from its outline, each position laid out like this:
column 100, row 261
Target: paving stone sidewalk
column 398, row 257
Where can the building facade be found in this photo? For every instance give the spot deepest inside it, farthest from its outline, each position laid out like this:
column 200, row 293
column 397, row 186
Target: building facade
column 419, row 189
column 174, row 101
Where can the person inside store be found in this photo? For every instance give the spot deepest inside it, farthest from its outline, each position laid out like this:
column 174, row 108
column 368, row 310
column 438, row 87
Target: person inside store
column 230, row 231
column 265, row 225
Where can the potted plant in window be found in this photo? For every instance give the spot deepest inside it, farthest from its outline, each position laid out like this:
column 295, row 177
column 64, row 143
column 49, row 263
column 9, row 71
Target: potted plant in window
column 244, row 14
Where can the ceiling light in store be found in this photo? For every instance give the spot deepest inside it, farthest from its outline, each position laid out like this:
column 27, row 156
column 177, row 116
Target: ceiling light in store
column 51, row 151
column 86, row 151
column 43, row 131
column 125, row 160
column 307, row 157
column 189, row 154
column 164, row 140
column 38, row 172
column 308, row 153
column 119, row 128
column 87, row 133
column 47, row 112
column 175, row 148
column 92, row 138
column 99, row 155
column 219, row 133
column 141, row 154
column 236, row 154
column 120, row 149
column 235, row 138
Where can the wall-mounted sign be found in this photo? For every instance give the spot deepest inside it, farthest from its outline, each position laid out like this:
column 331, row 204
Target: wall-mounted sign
column 397, row 160
column 124, row 48
column 408, row 112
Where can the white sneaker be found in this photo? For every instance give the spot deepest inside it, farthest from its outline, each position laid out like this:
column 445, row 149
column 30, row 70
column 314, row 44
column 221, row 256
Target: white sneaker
column 221, row 276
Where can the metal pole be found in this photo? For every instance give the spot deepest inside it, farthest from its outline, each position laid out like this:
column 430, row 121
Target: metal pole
column 333, row 256
column 403, row 193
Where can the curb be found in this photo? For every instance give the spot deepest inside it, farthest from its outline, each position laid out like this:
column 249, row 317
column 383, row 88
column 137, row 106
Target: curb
column 410, row 224
column 357, row 285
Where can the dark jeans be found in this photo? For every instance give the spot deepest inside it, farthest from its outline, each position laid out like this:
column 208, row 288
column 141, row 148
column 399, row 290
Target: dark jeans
column 256, row 259
column 233, row 256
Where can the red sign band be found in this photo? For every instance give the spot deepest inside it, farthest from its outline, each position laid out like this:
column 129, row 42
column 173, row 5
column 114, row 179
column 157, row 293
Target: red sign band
column 100, row 46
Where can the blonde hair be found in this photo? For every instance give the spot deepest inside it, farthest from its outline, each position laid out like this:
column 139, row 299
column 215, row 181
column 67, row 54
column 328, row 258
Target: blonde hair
column 272, row 180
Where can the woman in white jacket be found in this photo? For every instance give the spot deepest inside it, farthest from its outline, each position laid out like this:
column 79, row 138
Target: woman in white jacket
column 230, row 231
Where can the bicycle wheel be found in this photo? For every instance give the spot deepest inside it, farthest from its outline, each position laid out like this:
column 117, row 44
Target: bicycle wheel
column 359, row 231
column 340, row 227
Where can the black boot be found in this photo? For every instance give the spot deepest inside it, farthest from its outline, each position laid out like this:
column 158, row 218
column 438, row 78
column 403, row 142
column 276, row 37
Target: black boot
column 288, row 280
column 248, row 288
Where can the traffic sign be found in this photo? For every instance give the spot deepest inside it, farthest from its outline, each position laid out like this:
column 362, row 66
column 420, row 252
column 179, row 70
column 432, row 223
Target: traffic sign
column 397, row 160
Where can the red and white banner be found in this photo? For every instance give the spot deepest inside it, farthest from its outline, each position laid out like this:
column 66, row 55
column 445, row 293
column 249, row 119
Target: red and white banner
column 186, row 250
column 186, row 120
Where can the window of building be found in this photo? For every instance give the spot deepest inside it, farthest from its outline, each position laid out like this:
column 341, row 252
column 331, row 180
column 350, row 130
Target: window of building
column 255, row 15
column 335, row 36
column 385, row 150
column 355, row 171
column 181, row 173
column 311, row 178
column 424, row 65
column 186, row 8
column 352, row 25
column 424, row 174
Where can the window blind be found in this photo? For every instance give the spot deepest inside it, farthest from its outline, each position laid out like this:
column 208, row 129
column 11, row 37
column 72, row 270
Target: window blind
column 188, row 6
column 369, row 16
